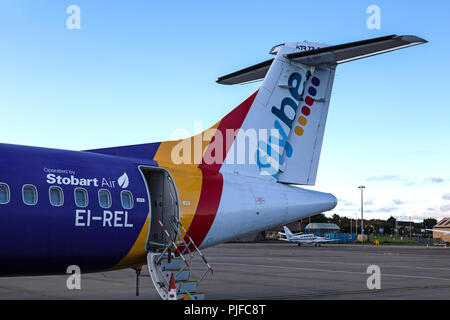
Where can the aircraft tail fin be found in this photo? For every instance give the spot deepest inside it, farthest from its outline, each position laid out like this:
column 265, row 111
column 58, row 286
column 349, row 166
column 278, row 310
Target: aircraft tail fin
column 277, row 132
column 293, row 100
column 287, row 232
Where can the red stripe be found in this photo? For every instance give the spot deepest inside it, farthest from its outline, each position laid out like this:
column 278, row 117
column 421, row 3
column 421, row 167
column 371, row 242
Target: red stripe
column 212, row 179
column 234, row 121
column 211, row 193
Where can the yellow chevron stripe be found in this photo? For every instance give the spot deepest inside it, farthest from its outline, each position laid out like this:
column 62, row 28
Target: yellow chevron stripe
column 188, row 180
column 137, row 254
column 187, row 177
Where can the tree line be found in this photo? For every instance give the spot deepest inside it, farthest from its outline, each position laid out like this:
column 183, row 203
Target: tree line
column 374, row 226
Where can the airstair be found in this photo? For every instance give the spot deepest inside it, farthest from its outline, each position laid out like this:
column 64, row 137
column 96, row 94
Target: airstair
column 176, row 258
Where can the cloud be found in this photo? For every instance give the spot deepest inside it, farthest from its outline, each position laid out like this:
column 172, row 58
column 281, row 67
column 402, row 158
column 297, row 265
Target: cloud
column 368, row 202
column 348, row 204
column 384, row 178
column 412, row 181
column 434, row 212
column 398, row 202
column 416, row 181
column 446, row 196
column 382, row 210
column 347, row 209
column 434, row 180
column 425, row 215
column 345, row 203
column 388, row 209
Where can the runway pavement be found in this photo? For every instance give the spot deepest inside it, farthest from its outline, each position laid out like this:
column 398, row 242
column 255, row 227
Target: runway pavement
column 273, row 270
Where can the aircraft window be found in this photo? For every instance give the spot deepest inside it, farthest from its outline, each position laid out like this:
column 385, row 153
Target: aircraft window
column 104, row 198
column 127, row 199
column 4, row 193
column 29, row 194
column 81, row 197
column 56, row 196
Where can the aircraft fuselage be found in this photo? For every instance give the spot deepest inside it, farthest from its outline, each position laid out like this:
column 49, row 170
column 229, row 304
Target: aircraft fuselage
column 44, row 238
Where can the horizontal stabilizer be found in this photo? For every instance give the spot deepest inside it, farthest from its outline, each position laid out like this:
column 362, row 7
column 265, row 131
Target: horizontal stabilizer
column 328, row 55
column 253, row 73
column 354, row 50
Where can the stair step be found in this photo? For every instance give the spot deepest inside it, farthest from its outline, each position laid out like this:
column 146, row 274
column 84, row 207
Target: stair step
column 179, row 275
column 183, row 286
column 175, row 264
column 195, row 295
column 161, row 270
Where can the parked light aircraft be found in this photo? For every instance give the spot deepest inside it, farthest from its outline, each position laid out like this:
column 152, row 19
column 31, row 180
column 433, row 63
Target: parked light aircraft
column 303, row 238
column 108, row 209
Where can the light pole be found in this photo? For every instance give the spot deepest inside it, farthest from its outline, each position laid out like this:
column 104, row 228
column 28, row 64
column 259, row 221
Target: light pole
column 362, row 214
column 410, row 228
column 396, row 226
column 351, row 222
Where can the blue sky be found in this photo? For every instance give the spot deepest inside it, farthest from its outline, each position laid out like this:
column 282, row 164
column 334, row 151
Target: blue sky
column 138, row 70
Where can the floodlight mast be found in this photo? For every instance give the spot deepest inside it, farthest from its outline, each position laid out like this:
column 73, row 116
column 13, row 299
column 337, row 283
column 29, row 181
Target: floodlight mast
column 362, row 212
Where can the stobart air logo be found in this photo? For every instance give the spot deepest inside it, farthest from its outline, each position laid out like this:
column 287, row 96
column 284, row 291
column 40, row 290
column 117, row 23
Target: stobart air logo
column 268, row 155
column 123, row 181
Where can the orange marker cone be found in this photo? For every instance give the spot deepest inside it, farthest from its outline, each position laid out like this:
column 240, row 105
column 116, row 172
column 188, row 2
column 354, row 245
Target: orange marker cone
column 172, row 294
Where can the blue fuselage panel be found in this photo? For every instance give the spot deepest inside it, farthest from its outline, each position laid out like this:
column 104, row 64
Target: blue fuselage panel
column 46, row 239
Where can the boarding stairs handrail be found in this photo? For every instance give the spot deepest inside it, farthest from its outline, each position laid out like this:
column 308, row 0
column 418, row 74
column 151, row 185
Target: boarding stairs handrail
column 171, row 243
column 177, row 224
column 167, row 250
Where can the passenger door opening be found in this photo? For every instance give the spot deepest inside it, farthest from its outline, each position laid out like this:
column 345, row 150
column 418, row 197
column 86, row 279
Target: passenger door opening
column 164, row 205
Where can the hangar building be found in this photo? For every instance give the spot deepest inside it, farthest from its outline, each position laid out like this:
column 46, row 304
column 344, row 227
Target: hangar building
column 319, row 229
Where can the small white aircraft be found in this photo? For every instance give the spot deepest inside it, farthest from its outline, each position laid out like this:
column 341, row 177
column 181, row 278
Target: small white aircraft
column 302, row 238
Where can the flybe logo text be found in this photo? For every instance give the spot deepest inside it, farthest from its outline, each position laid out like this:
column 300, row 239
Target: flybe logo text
column 267, row 157
column 283, row 112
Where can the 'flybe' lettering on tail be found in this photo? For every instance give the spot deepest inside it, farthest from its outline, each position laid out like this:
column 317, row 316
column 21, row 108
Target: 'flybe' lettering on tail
column 268, row 155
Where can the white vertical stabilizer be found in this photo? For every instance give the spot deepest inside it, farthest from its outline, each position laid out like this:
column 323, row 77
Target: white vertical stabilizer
column 307, row 132
column 292, row 105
